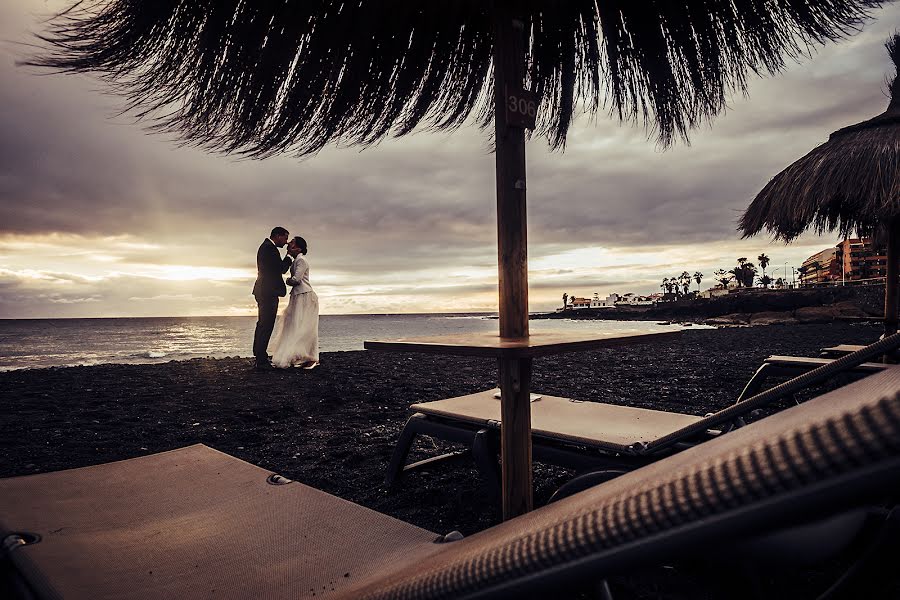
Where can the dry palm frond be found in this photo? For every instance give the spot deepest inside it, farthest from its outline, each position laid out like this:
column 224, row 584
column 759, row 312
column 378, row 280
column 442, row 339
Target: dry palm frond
column 851, row 183
column 260, row 77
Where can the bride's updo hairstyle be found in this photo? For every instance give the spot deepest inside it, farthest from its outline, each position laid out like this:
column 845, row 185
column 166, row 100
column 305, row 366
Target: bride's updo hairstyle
column 300, row 243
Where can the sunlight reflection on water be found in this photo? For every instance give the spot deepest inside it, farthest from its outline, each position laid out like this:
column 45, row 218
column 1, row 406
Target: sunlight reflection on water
column 66, row 342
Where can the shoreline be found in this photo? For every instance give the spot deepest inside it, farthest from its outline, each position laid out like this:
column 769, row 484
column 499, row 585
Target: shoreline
column 334, row 427
column 72, row 344
column 749, row 307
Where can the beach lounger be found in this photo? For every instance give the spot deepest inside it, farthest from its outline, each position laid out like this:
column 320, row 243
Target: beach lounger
column 195, row 522
column 781, row 366
column 593, row 435
column 839, row 350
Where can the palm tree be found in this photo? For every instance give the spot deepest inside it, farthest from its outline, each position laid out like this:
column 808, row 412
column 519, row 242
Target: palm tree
column 665, row 285
column 685, row 280
column 763, row 263
column 744, row 273
column 815, row 266
column 802, row 270
column 765, row 280
column 779, row 283
column 748, row 272
column 698, row 277
column 738, row 271
column 723, row 277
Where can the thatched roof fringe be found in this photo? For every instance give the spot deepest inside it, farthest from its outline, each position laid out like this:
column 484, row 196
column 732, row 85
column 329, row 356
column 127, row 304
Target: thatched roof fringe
column 850, row 184
column 893, row 48
column 265, row 76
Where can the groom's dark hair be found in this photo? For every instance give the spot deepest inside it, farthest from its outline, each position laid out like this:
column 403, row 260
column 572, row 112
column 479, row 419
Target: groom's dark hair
column 278, row 231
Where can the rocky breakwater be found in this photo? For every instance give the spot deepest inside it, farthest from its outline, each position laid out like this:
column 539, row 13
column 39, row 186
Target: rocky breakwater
column 847, row 310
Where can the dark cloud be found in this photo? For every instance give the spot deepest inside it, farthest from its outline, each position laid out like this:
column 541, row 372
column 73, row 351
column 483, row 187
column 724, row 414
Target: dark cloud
column 415, row 206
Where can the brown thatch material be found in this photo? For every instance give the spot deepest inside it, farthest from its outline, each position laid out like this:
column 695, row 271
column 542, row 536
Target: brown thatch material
column 851, row 183
column 263, row 77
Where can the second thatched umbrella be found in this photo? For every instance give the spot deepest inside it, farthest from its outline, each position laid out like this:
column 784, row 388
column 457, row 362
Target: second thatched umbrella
column 851, row 184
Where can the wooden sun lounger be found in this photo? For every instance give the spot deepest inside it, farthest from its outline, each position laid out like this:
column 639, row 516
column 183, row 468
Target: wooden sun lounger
column 592, row 435
column 561, row 430
column 780, row 366
column 197, row 523
column 839, row 350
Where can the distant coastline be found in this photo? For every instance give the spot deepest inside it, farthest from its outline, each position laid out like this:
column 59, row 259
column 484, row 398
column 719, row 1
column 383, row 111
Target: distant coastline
column 750, row 307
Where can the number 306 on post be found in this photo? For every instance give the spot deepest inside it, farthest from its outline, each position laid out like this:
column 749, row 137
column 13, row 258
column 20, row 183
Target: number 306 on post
column 521, row 108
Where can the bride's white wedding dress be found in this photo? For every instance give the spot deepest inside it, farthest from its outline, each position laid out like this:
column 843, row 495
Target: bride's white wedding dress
column 298, row 334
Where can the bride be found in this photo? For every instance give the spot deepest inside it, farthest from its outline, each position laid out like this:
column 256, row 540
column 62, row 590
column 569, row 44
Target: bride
column 298, row 336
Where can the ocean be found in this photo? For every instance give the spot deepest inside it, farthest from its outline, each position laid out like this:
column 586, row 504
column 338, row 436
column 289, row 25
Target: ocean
column 39, row 343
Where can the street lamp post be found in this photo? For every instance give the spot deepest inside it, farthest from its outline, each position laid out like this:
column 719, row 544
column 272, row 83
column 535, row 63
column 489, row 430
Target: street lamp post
column 843, row 266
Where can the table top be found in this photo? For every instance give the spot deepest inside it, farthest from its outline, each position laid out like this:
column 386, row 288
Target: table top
column 537, row 344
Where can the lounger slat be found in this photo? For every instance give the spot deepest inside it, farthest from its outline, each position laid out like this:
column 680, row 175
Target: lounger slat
column 596, row 424
column 196, row 523
column 841, row 349
column 809, row 361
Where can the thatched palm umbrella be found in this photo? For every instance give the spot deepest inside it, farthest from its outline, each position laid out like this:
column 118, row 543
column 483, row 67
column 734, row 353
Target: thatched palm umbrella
column 263, row 77
column 851, row 183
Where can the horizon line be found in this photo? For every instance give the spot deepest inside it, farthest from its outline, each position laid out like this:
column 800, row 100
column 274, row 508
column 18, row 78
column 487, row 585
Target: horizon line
column 386, row 314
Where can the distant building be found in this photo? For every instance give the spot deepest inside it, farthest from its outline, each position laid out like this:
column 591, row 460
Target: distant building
column 580, row 302
column 851, row 261
column 608, row 302
column 612, row 300
column 821, row 267
column 861, row 260
column 634, row 300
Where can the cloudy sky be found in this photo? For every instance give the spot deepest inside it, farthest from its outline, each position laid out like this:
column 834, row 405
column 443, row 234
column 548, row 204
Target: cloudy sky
column 99, row 218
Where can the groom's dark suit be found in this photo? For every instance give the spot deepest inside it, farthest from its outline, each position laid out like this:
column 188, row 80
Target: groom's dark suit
column 268, row 287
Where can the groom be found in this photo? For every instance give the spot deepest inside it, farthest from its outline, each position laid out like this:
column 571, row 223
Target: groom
column 267, row 289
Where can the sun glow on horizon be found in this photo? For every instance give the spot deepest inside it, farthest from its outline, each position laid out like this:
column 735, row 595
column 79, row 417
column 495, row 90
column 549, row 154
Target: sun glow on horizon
column 191, row 273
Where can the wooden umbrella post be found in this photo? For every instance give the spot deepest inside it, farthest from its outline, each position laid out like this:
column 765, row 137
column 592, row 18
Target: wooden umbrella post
column 890, row 280
column 515, row 373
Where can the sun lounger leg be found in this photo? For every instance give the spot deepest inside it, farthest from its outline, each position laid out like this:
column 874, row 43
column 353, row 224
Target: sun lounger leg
column 585, row 481
column 401, row 450
column 420, row 424
column 755, row 384
column 484, row 451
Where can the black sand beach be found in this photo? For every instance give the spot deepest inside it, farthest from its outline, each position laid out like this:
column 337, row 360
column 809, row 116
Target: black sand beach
column 334, row 427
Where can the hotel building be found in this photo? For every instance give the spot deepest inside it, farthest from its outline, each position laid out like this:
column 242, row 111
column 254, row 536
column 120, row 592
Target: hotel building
column 855, row 261
column 862, row 261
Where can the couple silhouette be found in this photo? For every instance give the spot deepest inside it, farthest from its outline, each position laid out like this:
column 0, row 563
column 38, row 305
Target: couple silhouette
column 297, row 343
